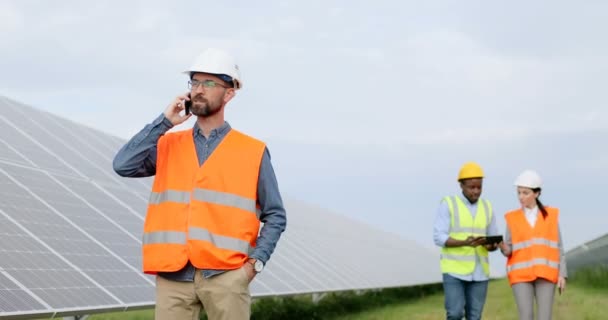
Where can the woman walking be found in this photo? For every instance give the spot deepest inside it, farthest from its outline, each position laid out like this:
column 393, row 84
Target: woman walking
column 534, row 249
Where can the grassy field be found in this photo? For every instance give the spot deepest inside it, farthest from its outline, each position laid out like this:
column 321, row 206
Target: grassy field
column 586, row 298
column 577, row 302
column 130, row 315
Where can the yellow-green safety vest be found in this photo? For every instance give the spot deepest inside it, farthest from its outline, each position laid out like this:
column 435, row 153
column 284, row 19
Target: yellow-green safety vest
column 461, row 260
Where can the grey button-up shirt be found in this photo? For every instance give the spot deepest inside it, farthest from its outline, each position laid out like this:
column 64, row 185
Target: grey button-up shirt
column 137, row 158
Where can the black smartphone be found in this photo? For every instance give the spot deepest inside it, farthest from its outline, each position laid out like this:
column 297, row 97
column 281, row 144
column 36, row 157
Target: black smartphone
column 187, row 105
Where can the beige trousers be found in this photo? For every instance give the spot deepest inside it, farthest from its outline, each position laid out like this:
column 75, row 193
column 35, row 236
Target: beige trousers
column 223, row 297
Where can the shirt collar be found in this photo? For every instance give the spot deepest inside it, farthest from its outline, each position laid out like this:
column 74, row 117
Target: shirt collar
column 223, row 129
column 466, row 201
column 531, row 212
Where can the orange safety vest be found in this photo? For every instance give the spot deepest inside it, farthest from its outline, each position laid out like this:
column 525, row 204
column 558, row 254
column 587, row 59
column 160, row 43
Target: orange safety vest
column 535, row 250
column 206, row 214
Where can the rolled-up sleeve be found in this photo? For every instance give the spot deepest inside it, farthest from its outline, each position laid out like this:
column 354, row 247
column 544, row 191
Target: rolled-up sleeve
column 441, row 228
column 273, row 213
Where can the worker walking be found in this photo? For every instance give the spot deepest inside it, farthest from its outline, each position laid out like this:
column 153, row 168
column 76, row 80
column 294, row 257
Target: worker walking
column 534, row 249
column 213, row 187
column 461, row 224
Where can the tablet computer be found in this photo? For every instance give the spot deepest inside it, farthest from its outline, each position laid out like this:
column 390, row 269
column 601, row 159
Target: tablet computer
column 493, row 239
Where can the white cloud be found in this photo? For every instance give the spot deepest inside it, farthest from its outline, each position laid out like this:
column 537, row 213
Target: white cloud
column 373, row 95
column 291, row 24
column 347, row 73
column 11, row 19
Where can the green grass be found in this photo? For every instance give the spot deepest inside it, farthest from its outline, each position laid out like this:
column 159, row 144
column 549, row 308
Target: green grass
column 578, row 302
column 302, row 307
column 593, row 277
column 586, row 297
column 129, row 315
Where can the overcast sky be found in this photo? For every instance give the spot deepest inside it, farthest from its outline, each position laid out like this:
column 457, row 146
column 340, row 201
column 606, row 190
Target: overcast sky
column 389, row 99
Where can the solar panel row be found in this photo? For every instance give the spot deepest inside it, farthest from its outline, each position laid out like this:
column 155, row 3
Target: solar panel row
column 71, row 230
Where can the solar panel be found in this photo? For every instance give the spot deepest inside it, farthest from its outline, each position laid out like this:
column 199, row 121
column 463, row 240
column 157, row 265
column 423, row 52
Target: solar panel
column 71, row 230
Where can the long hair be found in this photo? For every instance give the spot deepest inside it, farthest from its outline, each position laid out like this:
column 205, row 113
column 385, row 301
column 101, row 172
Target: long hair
column 539, row 204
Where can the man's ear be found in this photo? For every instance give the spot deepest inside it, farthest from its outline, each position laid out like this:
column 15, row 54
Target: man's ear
column 230, row 93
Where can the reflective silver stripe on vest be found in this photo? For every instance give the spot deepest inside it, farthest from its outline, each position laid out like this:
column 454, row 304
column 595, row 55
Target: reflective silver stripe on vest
column 218, row 241
column 226, row 199
column 205, row 195
column 531, row 263
column 487, row 211
column 169, row 195
column 535, row 241
column 463, row 258
column 456, row 213
column 164, row 237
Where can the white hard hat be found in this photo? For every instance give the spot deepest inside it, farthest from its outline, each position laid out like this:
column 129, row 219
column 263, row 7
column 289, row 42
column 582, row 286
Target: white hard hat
column 529, row 179
column 220, row 63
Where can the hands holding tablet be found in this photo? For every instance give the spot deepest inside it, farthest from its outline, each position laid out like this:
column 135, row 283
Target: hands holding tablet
column 490, row 242
column 474, row 241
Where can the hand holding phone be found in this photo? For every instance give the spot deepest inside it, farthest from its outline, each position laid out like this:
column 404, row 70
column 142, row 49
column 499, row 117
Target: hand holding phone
column 173, row 110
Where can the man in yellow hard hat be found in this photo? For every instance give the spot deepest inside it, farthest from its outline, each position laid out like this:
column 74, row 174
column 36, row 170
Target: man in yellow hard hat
column 460, row 227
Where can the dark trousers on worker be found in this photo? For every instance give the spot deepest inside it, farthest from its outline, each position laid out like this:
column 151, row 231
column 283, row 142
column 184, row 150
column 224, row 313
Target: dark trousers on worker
column 464, row 298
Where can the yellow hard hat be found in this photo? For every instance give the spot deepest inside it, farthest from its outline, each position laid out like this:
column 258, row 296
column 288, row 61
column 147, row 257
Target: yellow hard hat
column 470, row 170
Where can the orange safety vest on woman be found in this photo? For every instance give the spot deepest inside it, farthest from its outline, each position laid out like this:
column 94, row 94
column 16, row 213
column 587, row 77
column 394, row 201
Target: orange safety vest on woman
column 206, row 214
column 535, row 249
